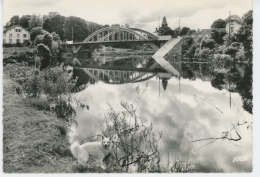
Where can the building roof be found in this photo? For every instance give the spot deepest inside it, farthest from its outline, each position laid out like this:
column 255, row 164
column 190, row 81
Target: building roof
column 219, row 29
column 13, row 27
column 205, row 32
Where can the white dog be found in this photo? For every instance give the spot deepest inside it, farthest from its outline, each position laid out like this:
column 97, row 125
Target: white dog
column 98, row 149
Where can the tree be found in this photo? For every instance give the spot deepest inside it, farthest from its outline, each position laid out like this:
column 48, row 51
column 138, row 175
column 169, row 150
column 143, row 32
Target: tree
column 35, row 21
column 184, row 31
column 219, row 23
column 164, row 29
column 35, row 32
column 80, row 29
column 24, row 21
column 217, row 36
column 245, row 34
column 14, row 20
column 187, row 42
column 56, row 21
column 47, row 25
column 164, row 83
column 177, row 30
column 232, row 17
column 47, row 40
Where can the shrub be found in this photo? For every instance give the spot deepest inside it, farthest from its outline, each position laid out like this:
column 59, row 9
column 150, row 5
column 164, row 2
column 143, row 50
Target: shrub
column 134, row 142
column 65, row 111
column 205, row 53
column 208, row 43
column 40, row 104
column 187, row 41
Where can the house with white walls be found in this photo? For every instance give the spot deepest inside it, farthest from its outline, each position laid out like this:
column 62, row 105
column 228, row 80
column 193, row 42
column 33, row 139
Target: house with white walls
column 15, row 34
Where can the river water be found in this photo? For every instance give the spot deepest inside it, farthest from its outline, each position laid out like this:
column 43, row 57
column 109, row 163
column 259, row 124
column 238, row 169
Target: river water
column 201, row 102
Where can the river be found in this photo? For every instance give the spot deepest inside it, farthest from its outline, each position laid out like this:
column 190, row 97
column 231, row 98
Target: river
column 202, row 102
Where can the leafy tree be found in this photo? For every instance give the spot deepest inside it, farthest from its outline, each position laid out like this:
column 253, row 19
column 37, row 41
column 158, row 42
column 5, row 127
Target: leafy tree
column 232, row 49
column 47, row 40
column 164, row 29
column 245, row 34
column 217, row 36
column 47, row 25
column 176, row 31
column 35, row 21
column 191, row 32
column 56, row 22
column 45, row 55
column 38, row 39
column 184, row 31
column 55, row 36
column 187, row 41
column 232, row 17
column 24, row 21
column 219, row 23
column 80, row 28
column 14, row 20
column 35, row 32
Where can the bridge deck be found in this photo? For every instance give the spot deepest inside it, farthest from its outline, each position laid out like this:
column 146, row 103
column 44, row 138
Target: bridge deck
column 91, row 43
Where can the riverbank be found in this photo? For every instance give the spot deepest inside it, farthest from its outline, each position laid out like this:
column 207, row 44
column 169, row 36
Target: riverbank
column 33, row 140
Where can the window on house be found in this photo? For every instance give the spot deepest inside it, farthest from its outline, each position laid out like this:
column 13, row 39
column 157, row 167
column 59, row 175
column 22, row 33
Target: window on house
column 17, row 40
column 232, row 29
column 11, row 41
column 18, row 35
column 25, row 35
column 10, row 36
column 17, row 30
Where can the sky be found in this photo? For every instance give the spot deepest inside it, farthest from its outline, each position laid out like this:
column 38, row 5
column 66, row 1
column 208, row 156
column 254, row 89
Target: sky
column 144, row 14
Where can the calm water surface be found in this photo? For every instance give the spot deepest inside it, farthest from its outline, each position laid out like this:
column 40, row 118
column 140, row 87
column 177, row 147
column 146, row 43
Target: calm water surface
column 174, row 105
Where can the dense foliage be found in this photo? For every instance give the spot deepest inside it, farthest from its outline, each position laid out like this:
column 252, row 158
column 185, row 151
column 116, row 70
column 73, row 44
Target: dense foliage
column 219, row 23
column 54, row 22
column 245, row 34
column 164, row 29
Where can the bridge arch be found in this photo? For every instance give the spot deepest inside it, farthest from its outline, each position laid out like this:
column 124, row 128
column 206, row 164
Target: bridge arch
column 117, row 76
column 105, row 34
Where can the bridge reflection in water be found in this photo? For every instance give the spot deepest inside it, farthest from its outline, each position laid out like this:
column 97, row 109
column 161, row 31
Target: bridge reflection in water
column 120, row 69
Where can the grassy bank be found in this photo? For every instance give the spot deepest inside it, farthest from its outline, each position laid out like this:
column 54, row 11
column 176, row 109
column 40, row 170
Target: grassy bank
column 33, row 140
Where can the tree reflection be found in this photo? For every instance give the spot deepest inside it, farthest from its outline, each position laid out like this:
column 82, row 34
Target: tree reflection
column 164, row 83
column 218, row 82
column 244, row 88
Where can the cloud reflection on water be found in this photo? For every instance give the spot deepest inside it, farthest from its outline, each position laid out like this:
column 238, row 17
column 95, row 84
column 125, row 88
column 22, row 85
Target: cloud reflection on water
column 181, row 117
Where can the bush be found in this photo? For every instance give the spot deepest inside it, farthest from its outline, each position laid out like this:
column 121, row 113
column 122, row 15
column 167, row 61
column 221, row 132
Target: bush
column 208, row 43
column 187, row 41
column 65, row 111
column 40, row 104
column 205, row 53
column 134, row 143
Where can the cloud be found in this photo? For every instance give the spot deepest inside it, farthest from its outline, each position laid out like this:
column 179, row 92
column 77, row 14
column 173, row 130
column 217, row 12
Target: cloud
column 34, row 3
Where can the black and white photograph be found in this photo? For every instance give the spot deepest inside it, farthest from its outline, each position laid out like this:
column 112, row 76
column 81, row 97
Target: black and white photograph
column 127, row 86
